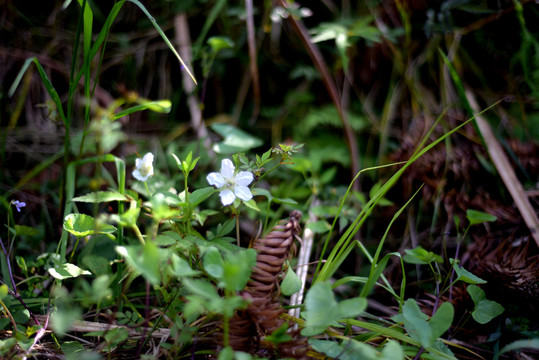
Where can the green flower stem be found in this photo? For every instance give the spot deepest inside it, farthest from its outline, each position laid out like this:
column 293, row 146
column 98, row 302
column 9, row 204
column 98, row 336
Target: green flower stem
column 74, row 249
column 187, row 204
column 238, row 228
column 138, row 234
column 8, row 314
column 147, row 189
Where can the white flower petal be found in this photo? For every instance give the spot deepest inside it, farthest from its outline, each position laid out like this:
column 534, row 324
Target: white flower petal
column 244, row 178
column 227, row 197
column 148, row 159
column 227, row 168
column 143, row 167
column 216, row 179
column 243, row 193
column 138, row 175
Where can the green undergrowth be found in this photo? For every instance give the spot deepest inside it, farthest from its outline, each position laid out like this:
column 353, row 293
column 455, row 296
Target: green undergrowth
column 143, row 244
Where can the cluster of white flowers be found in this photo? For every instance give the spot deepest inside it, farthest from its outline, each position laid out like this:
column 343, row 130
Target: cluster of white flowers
column 232, row 185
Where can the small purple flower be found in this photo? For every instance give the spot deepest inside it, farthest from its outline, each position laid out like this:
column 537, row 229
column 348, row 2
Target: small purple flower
column 18, row 204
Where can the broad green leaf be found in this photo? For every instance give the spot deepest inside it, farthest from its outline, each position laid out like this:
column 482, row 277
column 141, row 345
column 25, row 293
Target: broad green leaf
column 280, row 335
column 66, row 271
column 321, row 309
column 350, row 308
column 143, row 260
column 484, row 310
column 218, row 43
column 99, row 265
column 226, row 354
column 235, row 140
column 477, row 217
column 225, row 228
column 61, row 320
column 201, row 288
column 349, row 349
column 319, row 226
column 71, row 348
column 213, row 263
column 392, row 351
column 181, row 268
column 83, row 225
column 22, row 230
column 237, row 269
column 199, row 195
column 465, row 275
column 330, row 348
column 262, row 192
column 442, row 319
column 101, row 196
column 415, row 323
column 251, row 204
column 291, row 283
column 3, row 291
column 116, row 335
column 419, row 328
column 420, row 256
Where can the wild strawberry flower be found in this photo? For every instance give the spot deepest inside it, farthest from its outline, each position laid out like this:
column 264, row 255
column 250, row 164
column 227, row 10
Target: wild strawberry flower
column 143, row 167
column 231, row 185
column 18, row 204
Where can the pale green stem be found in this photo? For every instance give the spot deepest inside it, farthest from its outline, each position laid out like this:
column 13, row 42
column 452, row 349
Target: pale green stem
column 147, row 189
column 138, row 234
column 238, row 228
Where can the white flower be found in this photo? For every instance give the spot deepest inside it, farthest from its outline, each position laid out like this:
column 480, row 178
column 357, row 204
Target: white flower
column 18, row 204
column 231, row 185
column 144, row 167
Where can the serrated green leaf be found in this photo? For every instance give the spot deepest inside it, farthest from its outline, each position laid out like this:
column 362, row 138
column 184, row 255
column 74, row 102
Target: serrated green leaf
column 213, row 263
column 200, row 195
column 251, row 204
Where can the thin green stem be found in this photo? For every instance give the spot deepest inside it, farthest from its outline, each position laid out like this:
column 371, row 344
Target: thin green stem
column 238, row 228
column 147, row 189
column 138, row 234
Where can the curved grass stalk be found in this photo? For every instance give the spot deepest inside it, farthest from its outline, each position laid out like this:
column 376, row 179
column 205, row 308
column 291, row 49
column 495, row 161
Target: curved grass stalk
column 342, row 248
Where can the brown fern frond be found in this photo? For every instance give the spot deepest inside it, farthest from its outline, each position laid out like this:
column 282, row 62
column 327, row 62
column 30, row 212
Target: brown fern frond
column 249, row 328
